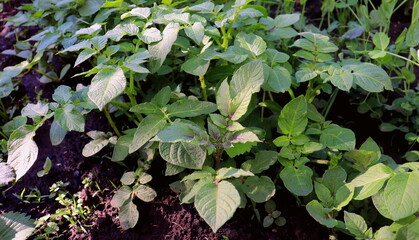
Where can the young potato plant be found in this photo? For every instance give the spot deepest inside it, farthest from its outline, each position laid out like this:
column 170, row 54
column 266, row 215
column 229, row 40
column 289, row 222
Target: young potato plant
column 194, row 80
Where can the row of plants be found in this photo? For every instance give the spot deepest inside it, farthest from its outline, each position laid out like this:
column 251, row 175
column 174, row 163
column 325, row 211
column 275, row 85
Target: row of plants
column 234, row 96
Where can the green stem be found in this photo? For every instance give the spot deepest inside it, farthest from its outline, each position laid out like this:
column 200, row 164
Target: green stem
column 330, row 102
column 203, row 87
column 46, row 75
column 401, row 57
column 291, row 93
column 111, row 122
column 320, row 161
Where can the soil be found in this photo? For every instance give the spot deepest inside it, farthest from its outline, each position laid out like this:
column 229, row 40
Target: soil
column 163, row 218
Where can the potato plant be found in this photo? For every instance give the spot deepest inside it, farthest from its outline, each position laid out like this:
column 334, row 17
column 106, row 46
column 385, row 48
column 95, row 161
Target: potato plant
column 228, row 94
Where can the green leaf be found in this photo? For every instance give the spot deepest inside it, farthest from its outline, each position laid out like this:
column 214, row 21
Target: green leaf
column 216, row 203
column 56, row 133
column 189, row 197
column 46, row 168
column 190, row 108
column 94, row 147
column 381, row 40
column 128, row 215
column 145, row 193
column 196, row 32
column 278, row 79
column 371, row 77
column 6, row 174
column 334, row 178
column 355, row 224
column 323, row 194
column 69, row 118
column 338, row 138
column 14, row 124
column 371, row 145
column 22, row 150
column 259, row 189
column 297, row 180
column 274, row 56
column 183, row 132
column 251, row 42
column 225, row 173
column 151, row 35
column 248, row 76
column 343, row 196
column 128, row 178
column 139, row 12
column 16, row 226
column 121, row 195
column 285, row 20
column 401, row 195
column 35, row 110
column 90, row 7
column 196, row 66
column 62, row 94
column 147, row 108
column 380, row 204
column 233, row 54
column 371, row 181
column 106, row 85
column 361, row 158
column 148, row 128
column 183, row 154
column 84, row 55
column 293, row 118
column 121, row 148
column 408, row 232
column 239, row 148
column 342, row 79
column 48, row 39
column 223, row 98
column 263, row 160
column 161, row 49
column 320, row 214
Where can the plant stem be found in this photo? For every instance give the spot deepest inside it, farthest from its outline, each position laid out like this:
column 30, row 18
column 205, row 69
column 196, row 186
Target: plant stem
column 111, row 122
column 46, row 75
column 330, row 102
column 401, row 57
column 217, row 155
column 203, row 87
column 320, row 161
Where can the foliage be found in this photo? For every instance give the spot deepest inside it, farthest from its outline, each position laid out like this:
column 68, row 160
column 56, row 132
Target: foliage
column 228, row 96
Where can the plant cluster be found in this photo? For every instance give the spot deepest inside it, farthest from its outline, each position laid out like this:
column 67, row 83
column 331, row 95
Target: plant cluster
column 234, row 97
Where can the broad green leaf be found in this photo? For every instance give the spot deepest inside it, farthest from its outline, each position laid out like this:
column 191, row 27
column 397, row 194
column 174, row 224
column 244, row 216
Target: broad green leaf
column 313, row 114
column 259, row 189
column 62, row 94
column 304, row 44
column 183, row 154
column 190, row 108
column 362, row 158
column 128, row 178
column 148, row 128
column 223, row 98
column 139, row 12
column 56, row 133
column 278, row 79
column 410, row 232
column 338, row 138
column 216, row 203
column 251, row 42
column 22, row 150
column 371, row 77
column 90, row 7
column 145, row 193
column 121, row 195
column 380, row 204
column 343, row 196
column 274, row 56
column 401, row 194
column 323, row 194
column 293, row 118
column 6, row 174
column 371, row 145
column 84, row 55
column 371, row 181
column 342, row 80
column 355, row 224
column 16, row 226
column 162, row 97
column 35, row 110
column 334, row 178
column 151, row 35
column 89, row 30
column 106, row 85
column 263, row 160
column 121, row 148
column 197, row 175
column 196, row 32
column 243, row 137
column 147, row 108
column 145, row 178
column 297, row 180
column 381, row 40
column 196, row 66
column 233, row 54
column 285, row 20
column 94, row 147
column 190, row 195
column 69, row 118
column 240, row 148
column 48, row 39
column 320, row 214
column 183, row 132
column 248, row 76
column 161, row 49
column 225, row 173
column 384, row 233
column 128, row 215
